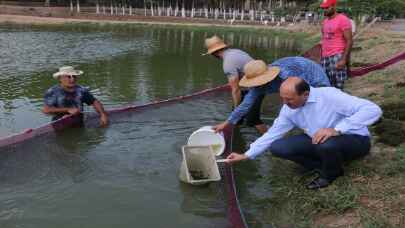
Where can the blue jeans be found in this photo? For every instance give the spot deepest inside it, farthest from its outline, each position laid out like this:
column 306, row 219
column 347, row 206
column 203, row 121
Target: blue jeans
column 327, row 157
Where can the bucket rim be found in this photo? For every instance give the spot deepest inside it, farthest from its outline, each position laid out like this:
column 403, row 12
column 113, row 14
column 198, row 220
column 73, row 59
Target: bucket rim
column 220, row 136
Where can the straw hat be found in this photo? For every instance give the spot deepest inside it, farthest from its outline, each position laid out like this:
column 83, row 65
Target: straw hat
column 67, row 70
column 257, row 73
column 214, row 44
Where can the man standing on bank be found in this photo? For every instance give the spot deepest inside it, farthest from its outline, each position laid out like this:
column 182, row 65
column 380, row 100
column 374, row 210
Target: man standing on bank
column 334, row 125
column 67, row 98
column 233, row 62
column 262, row 79
column 337, row 41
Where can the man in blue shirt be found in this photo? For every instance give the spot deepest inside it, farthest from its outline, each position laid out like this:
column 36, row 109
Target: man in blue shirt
column 301, row 67
column 67, row 98
column 334, row 125
column 233, row 62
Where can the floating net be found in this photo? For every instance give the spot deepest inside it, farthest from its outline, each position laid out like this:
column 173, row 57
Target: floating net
column 315, row 54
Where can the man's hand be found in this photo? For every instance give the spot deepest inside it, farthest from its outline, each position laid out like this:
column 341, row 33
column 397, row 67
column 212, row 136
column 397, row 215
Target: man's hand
column 103, row 120
column 73, row 111
column 341, row 64
column 324, row 134
column 220, row 127
column 235, row 157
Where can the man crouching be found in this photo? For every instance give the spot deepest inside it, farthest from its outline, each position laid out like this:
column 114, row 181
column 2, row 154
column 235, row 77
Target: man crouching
column 334, row 125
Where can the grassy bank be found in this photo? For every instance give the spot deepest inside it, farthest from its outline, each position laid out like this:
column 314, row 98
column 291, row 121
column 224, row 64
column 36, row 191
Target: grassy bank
column 372, row 192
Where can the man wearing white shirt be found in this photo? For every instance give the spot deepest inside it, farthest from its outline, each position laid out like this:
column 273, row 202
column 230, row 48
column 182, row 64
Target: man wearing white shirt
column 334, row 125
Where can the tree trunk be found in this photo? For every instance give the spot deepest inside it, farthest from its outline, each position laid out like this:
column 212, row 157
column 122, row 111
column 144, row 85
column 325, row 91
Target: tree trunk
column 183, row 10
column 71, row 6
column 78, row 6
column 97, row 8
column 151, row 8
column 144, row 6
column 112, row 9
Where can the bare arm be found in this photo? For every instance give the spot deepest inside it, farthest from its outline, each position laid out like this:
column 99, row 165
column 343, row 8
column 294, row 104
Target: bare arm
column 347, row 34
column 236, row 94
column 103, row 114
column 53, row 110
column 233, row 82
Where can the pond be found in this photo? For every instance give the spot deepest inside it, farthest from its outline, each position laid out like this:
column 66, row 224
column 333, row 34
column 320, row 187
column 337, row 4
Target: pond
column 124, row 175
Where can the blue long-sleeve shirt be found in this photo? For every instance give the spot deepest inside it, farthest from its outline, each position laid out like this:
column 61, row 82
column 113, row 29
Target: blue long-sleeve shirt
column 326, row 107
column 301, row 67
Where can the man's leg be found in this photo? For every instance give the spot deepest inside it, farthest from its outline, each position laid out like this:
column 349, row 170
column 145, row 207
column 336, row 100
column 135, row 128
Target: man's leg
column 243, row 94
column 339, row 75
column 253, row 116
column 338, row 149
column 297, row 148
column 327, row 66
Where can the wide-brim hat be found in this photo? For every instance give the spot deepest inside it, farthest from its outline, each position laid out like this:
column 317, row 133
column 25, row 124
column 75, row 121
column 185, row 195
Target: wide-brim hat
column 257, row 73
column 327, row 3
column 67, row 70
column 214, row 44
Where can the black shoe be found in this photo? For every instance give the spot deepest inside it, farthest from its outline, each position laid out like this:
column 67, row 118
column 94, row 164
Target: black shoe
column 318, row 183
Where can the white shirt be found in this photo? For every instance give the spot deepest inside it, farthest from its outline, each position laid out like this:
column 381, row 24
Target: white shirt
column 326, row 107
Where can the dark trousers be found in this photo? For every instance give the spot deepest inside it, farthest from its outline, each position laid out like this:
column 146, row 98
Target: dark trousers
column 252, row 118
column 327, row 157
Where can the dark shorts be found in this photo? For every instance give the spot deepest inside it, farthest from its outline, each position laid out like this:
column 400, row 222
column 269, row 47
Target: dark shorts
column 252, row 118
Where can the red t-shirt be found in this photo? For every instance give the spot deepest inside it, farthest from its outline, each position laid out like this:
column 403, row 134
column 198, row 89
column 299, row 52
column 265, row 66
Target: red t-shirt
column 333, row 41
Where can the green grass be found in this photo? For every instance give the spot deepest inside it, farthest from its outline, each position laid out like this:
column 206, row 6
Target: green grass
column 402, row 93
column 292, row 205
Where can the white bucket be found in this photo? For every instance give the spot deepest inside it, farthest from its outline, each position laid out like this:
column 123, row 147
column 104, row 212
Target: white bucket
column 199, row 165
column 206, row 136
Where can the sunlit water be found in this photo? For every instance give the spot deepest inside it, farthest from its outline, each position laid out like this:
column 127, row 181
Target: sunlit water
column 124, row 175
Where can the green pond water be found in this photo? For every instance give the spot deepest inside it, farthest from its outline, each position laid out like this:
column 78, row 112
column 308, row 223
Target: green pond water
column 124, row 175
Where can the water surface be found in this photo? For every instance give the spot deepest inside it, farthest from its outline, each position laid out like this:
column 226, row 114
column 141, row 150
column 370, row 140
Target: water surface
column 124, row 175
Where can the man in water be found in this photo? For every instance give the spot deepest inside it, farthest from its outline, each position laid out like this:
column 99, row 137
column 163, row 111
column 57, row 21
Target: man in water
column 233, row 62
column 262, row 79
column 67, row 98
column 334, row 125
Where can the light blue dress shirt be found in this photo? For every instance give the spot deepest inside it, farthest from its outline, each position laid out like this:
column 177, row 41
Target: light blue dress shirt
column 325, row 107
column 301, row 67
